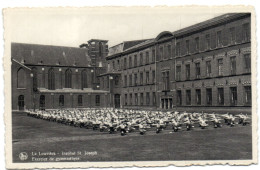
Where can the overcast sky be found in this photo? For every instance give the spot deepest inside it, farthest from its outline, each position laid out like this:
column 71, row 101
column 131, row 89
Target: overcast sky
column 76, row 26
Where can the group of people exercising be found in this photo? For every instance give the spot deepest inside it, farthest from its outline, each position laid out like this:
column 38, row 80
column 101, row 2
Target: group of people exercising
column 129, row 120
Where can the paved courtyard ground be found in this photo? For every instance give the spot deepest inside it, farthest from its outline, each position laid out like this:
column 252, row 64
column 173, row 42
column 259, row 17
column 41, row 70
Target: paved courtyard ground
column 50, row 141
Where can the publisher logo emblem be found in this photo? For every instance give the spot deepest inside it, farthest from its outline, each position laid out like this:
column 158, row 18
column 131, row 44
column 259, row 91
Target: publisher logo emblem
column 23, row 156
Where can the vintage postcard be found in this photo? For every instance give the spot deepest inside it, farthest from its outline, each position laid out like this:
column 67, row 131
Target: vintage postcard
column 130, row 86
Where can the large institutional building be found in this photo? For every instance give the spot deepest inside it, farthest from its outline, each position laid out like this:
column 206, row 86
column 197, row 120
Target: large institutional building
column 204, row 66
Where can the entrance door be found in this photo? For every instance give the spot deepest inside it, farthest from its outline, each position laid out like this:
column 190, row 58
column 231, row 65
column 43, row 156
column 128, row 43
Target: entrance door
column 117, row 100
column 42, row 102
column 21, row 102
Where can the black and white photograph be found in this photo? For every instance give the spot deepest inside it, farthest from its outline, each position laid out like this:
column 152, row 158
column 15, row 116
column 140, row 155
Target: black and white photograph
column 118, row 84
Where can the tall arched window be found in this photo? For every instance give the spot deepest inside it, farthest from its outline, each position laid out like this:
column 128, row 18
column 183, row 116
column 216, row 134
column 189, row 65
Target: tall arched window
column 21, row 78
column 68, row 78
column 51, row 79
column 61, row 100
column 84, row 83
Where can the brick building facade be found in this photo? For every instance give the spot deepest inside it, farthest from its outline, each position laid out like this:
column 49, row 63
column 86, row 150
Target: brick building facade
column 206, row 65
column 47, row 77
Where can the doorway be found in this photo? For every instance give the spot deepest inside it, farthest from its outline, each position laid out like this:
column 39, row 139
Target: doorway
column 42, row 102
column 117, row 100
column 21, row 102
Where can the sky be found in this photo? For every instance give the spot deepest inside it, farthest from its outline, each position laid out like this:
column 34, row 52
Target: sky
column 72, row 27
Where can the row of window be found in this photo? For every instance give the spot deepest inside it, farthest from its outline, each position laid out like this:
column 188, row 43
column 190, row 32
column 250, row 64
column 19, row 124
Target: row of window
column 220, row 68
column 219, row 40
column 220, row 96
column 21, row 102
column 141, row 79
column 80, row 100
column 132, row 61
column 52, row 78
column 135, row 99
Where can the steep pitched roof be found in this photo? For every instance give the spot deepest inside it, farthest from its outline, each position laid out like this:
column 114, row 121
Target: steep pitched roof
column 50, row 55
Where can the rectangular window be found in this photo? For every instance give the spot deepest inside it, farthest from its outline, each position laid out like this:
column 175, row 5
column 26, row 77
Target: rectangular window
column 135, row 79
column 188, row 72
column 135, row 60
column 178, row 73
column 97, row 100
column 141, row 59
column 179, row 98
column 188, row 46
column 198, row 96
column 116, row 80
column 246, row 32
column 147, row 98
column 166, row 80
column 147, row 77
column 209, row 96
column 197, row 44
column 220, row 67
column 248, row 96
column 130, row 80
column 126, row 99
column 124, row 63
column 131, row 98
column 221, row 96
column 161, row 53
column 118, row 65
column 208, row 68
column 219, row 39
column 233, row 65
column 178, row 49
column 154, row 99
column 141, row 78
column 108, row 81
column 197, row 65
column 153, row 76
column 153, row 55
column 113, row 65
column 136, row 99
column 233, row 96
column 141, row 99
column 207, row 45
column 188, row 97
column 61, row 100
column 232, row 35
column 247, row 60
column 169, row 52
column 125, row 81
column 147, row 58
column 130, row 62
